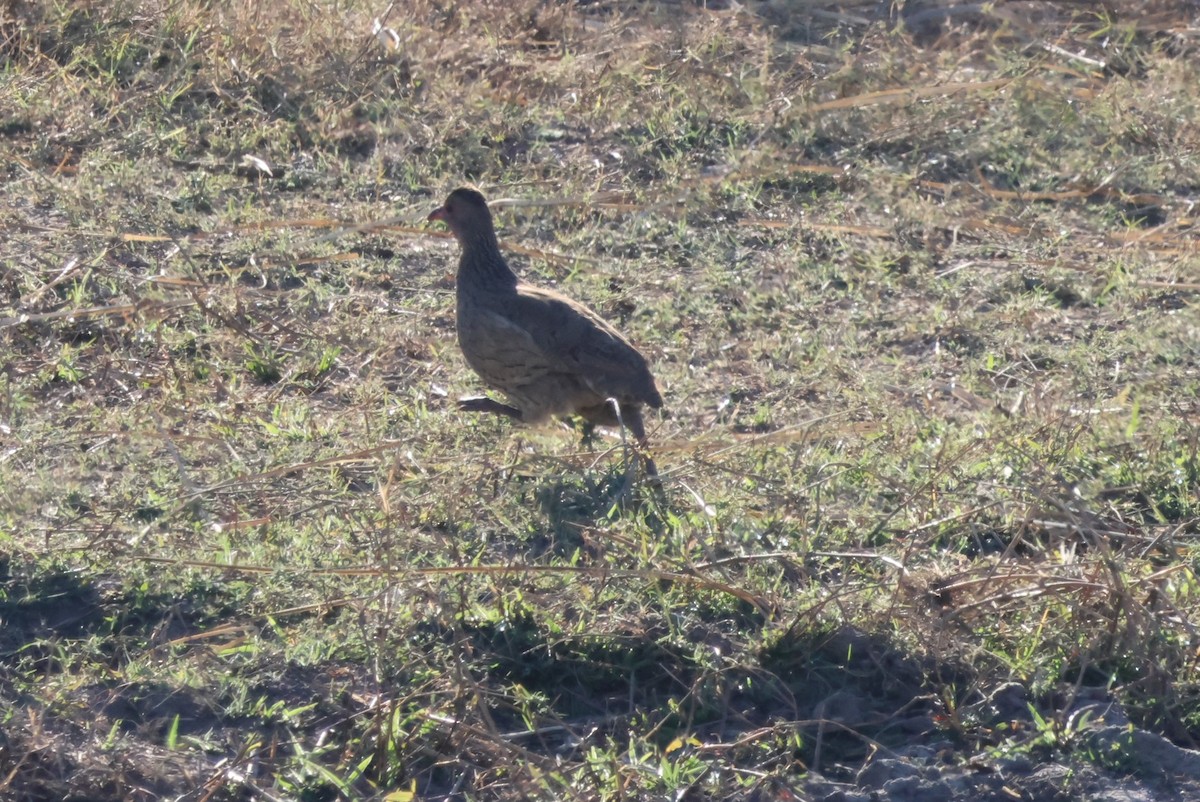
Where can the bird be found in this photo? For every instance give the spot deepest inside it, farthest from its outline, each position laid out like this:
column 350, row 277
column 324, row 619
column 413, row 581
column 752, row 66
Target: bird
column 550, row 356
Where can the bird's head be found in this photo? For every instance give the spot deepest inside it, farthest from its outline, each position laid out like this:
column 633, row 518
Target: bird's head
column 465, row 212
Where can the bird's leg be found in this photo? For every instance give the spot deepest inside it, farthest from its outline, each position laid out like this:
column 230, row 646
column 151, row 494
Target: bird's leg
column 616, row 408
column 630, row 465
column 481, row 403
column 632, row 417
column 587, row 435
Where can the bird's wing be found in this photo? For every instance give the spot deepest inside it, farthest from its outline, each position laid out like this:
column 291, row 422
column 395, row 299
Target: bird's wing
column 503, row 351
column 582, row 343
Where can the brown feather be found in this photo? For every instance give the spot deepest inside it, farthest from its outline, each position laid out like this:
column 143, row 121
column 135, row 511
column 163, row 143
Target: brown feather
column 549, row 355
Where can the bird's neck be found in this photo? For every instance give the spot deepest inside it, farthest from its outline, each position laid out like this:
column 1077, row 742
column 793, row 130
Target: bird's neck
column 482, row 261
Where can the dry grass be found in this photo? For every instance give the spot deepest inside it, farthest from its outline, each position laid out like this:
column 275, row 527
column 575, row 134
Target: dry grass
column 920, row 291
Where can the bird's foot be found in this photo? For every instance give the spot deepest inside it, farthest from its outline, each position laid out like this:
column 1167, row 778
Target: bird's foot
column 481, row 403
column 587, row 434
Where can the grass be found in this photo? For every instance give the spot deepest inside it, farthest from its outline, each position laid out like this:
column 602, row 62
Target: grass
column 920, row 295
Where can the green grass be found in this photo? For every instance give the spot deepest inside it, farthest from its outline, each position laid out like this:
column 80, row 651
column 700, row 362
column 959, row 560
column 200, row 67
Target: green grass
column 922, row 307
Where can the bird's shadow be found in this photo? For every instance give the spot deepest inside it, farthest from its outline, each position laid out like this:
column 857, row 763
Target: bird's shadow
column 578, row 504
